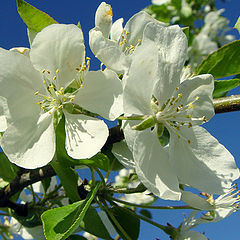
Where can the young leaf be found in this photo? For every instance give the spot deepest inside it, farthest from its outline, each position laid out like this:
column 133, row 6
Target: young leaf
column 35, row 19
column 68, row 178
column 59, row 223
column 237, row 25
column 8, row 171
column 222, row 63
column 128, row 222
column 93, row 224
column 221, row 87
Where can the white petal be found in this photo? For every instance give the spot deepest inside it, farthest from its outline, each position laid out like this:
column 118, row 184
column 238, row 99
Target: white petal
column 3, row 123
column 193, row 200
column 30, row 144
column 201, row 88
column 101, row 93
column 136, row 25
column 85, row 136
column 139, row 83
column 116, row 30
column 153, row 166
column 108, row 51
column 19, row 81
column 191, row 235
column 61, row 47
column 103, row 18
column 172, row 52
column 123, row 154
column 204, row 164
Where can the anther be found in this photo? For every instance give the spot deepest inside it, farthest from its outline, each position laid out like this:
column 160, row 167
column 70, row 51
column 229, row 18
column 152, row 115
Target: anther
column 188, row 141
column 204, row 119
column 189, row 125
column 57, row 71
column 54, row 78
column 36, row 93
column 48, row 72
column 43, row 71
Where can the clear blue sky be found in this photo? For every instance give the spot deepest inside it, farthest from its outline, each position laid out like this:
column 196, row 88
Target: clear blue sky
column 224, row 127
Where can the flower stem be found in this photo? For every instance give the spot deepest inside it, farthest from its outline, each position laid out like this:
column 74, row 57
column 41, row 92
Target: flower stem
column 139, row 188
column 227, row 104
column 150, row 207
column 132, row 118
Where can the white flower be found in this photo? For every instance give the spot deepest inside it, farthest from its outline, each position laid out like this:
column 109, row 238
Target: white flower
column 36, row 90
column 160, row 2
column 115, row 52
column 184, row 232
column 154, row 88
column 219, row 208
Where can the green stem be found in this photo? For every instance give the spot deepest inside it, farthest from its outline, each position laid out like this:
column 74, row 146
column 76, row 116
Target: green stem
column 227, row 104
column 115, row 221
column 132, row 118
column 139, row 188
column 150, row 207
column 93, row 176
column 101, row 176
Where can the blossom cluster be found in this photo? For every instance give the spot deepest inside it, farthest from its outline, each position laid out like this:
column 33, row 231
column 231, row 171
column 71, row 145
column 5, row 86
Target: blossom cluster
column 146, row 85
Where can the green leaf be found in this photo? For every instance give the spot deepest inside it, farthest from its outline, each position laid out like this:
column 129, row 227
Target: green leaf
column 186, row 31
column 46, row 184
column 177, row 4
column 98, row 228
column 68, row 178
column 237, row 25
column 128, row 222
column 35, row 19
column 59, row 223
column 8, row 171
column 222, row 63
column 146, row 213
column 222, row 87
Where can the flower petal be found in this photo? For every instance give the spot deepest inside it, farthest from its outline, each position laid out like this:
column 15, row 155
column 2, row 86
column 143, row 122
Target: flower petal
column 193, row 200
column 136, row 25
column 140, row 81
column 85, row 136
column 198, row 91
column 108, row 51
column 103, row 18
column 123, row 154
column 172, row 52
column 116, row 30
column 153, row 166
column 59, row 47
column 30, row 144
column 203, row 163
column 101, row 93
column 191, row 235
column 19, row 81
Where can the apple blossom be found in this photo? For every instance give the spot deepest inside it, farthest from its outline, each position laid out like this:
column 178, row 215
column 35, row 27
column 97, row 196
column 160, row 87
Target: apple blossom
column 184, row 231
column 172, row 101
column 115, row 52
column 38, row 90
column 219, row 208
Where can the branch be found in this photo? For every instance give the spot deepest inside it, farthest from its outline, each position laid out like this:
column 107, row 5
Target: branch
column 227, row 104
column 25, row 178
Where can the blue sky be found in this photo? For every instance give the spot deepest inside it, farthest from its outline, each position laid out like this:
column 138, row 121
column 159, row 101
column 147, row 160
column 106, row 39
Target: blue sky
column 225, row 127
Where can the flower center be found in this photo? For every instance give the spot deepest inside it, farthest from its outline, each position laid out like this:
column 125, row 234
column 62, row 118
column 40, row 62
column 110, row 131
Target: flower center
column 128, row 48
column 174, row 114
column 53, row 99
